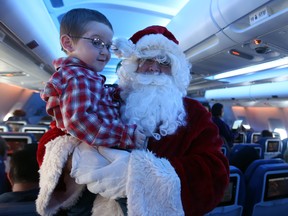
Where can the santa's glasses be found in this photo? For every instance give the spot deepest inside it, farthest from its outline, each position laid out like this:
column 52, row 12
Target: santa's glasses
column 162, row 60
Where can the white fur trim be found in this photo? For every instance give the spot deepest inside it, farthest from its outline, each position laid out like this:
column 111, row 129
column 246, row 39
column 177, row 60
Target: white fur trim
column 153, row 187
column 123, row 48
column 56, row 155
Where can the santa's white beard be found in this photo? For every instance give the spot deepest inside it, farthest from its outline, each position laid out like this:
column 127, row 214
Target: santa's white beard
column 154, row 103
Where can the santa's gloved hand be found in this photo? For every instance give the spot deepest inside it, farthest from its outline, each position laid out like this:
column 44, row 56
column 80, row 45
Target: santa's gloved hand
column 85, row 160
column 140, row 138
column 110, row 181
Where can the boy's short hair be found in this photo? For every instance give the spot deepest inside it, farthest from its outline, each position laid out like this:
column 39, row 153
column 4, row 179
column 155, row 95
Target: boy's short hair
column 75, row 20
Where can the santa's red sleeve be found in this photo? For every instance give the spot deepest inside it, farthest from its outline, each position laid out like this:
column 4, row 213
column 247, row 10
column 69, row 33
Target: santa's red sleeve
column 194, row 152
column 51, row 134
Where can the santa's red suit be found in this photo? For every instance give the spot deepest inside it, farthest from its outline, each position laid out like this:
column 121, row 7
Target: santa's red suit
column 193, row 152
column 183, row 173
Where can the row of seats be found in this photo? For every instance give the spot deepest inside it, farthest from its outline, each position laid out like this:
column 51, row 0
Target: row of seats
column 18, row 133
column 17, row 140
column 21, row 126
column 261, row 191
column 267, row 148
column 252, row 137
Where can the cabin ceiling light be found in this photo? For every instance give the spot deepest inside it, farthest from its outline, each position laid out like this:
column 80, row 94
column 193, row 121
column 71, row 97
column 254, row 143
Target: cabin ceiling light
column 12, row 74
column 268, row 65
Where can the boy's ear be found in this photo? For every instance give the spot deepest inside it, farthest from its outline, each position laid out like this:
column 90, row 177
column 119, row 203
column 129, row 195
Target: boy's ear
column 67, row 43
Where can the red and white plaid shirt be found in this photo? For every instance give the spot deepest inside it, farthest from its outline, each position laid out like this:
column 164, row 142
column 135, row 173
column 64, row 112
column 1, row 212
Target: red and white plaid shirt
column 77, row 99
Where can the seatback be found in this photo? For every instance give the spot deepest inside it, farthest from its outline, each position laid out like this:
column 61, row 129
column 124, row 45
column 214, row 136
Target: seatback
column 4, row 127
column 255, row 164
column 272, row 147
column 234, row 197
column 16, row 124
column 37, row 130
column 18, row 208
column 225, row 150
column 17, row 140
column 267, row 191
column 241, row 138
column 260, row 149
column 253, row 137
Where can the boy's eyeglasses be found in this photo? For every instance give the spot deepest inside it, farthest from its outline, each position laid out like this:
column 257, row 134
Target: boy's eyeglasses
column 96, row 42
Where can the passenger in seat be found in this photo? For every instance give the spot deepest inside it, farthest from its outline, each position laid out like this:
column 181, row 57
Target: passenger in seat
column 224, row 130
column 23, row 176
column 266, row 134
column 4, row 183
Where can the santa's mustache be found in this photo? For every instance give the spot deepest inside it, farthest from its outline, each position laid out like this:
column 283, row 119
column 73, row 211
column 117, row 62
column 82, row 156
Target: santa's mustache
column 154, row 79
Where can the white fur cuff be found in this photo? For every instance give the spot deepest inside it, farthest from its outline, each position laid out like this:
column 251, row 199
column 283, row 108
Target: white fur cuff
column 153, row 187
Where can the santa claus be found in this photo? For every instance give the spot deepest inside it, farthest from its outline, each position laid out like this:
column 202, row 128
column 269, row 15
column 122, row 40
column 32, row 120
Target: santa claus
column 180, row 172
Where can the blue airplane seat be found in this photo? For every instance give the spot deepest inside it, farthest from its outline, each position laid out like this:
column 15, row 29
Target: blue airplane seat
column 225, row 150
column 17, row 140
column 252, row 136
column 255, row 164
column 260, row 149
column 267, row 191
column 285, row 145
column 241, row 138
column 234, row 196
column 35, row 129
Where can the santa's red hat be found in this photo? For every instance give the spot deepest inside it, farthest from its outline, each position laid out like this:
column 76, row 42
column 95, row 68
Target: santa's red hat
column 153, row 30
column 152, row 41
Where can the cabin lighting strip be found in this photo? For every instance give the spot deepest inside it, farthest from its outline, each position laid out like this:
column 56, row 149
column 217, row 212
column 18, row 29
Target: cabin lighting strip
column 268, row 65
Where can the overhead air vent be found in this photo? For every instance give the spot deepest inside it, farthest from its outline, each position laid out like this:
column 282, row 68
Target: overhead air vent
column 32, row 44
column 57, row 3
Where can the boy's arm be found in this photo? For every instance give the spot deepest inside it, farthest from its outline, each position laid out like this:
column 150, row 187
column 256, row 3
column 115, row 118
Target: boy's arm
column 81, row 117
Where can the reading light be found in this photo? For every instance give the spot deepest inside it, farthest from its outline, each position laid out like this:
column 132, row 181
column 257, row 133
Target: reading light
column 237, row 53
column 251, row 69
column 257, row 41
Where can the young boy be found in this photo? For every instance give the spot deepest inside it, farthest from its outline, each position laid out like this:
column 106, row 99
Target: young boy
column 75, row 94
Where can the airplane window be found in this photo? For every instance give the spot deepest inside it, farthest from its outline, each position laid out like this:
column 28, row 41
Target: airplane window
column 280, row 133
